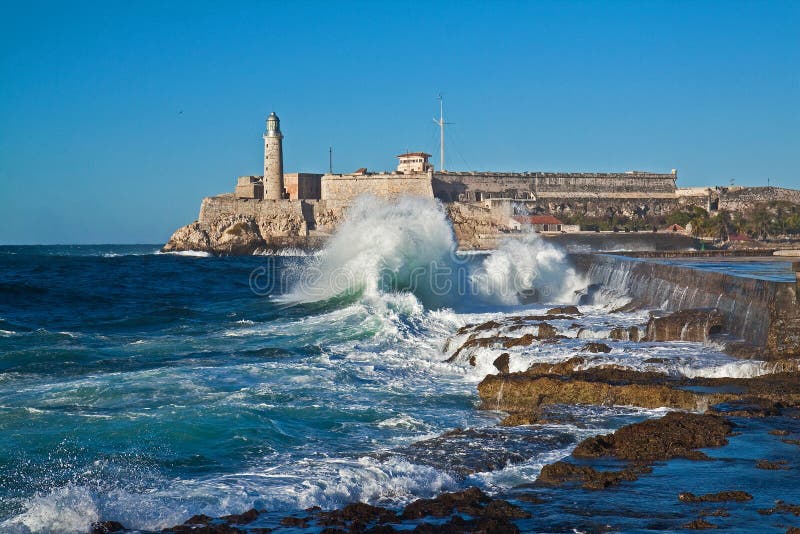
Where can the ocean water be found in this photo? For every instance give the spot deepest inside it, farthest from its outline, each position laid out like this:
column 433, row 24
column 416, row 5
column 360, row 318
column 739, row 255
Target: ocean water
column 146, row 388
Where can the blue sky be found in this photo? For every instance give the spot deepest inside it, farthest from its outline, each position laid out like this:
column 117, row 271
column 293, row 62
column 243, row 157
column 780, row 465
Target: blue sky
column 116, row 118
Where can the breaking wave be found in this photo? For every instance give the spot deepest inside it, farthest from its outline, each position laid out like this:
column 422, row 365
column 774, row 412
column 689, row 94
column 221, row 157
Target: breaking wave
column 408, row 246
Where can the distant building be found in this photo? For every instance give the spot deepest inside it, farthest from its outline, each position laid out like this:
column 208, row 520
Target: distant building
column 414, row 163
column 540, row 223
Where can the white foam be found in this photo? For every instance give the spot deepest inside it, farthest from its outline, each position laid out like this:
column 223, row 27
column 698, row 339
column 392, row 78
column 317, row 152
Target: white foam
column 188, row 253
column 64, row 510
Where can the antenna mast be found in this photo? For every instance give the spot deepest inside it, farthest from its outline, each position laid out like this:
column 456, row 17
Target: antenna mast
column 330, row 160
column 441, row 124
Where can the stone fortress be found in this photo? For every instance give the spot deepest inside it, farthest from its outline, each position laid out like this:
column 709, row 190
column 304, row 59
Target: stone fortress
column 278, row 209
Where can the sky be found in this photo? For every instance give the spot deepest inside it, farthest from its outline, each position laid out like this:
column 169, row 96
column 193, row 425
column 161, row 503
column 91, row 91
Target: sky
column 117, row 118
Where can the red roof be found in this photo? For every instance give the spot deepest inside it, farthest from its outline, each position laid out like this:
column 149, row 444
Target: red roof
column 537, row 219
column 676, row 228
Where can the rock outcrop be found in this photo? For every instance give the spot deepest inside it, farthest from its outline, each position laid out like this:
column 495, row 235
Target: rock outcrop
column 685, row 325
column 543, row 384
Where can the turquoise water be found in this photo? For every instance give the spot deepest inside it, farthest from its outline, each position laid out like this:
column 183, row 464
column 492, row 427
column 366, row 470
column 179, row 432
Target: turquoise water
column 146, row 388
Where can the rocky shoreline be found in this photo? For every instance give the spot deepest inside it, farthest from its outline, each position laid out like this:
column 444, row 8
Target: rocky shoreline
column 714, row 416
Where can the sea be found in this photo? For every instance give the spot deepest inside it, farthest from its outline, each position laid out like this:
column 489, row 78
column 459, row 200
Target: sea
column 145, row 388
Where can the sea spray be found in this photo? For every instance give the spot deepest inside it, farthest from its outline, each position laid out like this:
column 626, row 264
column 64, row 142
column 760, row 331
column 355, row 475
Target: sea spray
column 408, row 246
column 527, row 267
column 383, row 247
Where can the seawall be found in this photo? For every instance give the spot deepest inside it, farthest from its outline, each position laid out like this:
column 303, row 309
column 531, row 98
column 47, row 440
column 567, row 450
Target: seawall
column 764, row 313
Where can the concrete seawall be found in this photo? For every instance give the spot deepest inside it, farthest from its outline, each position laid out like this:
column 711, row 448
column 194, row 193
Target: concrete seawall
column 763, row 313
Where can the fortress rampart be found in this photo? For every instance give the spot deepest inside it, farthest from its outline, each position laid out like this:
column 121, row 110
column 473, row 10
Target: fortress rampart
column 477, row 186
column 346, row 187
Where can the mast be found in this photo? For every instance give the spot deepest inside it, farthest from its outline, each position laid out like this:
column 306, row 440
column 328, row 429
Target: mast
column 441, row 124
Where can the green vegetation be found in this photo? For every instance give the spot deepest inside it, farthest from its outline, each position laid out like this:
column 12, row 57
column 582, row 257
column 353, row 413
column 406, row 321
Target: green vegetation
column 762, row 221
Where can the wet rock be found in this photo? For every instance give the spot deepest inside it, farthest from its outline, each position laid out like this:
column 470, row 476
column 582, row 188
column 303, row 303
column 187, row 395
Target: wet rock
column 699, row 524
column 620, row 333
column 470, row 501
column 488, row 325
column 779, row 432
column 229, row 524
column 565, row 310
column 722, row 496
column 523, row 341
column 792, row 441
column 715, row 513
column 596, row 347
column 782, row 507
column 590, row 478
column 107, row 527
column 686, row 325
column 295, row 522
column 501, row 362
column 677, row 434
column 524, row 392
column 462, row 452
column 546, row 331
column 609, row 385
column 560, row 368
column 359, row 513
column 773, row 466
column 747, row 407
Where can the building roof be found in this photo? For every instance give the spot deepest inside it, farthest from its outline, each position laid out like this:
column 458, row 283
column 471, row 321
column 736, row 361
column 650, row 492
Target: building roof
column 417, row 154
column 536, row 219
column 676, row 228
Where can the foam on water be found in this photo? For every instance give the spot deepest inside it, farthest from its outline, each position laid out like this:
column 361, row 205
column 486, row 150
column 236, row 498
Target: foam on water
column 408, row 246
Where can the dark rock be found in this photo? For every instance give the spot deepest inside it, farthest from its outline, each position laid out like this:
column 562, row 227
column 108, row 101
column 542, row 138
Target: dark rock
column 295, row 522
column 685, row 325
column 565, row 310
column 242, row 519
column 595, row 347
column 469, row 501
column 772, row 466
column 699, row 524
column 501, row 362
column 792, row 441
column 782, row 507
column 560, row 472
column 488, row 325
column 560, row 368
column 722, row 496
column 544, row 384
column 620, row 333
column 500, row 509
column 677, row 434
column 107, row 527
column 200, row 519
column 779, row 432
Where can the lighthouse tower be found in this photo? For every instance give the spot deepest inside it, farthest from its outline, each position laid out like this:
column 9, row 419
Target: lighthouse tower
column 273, row 159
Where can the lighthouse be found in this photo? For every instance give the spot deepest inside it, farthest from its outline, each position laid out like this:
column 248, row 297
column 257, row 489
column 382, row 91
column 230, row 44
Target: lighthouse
column 273, row 159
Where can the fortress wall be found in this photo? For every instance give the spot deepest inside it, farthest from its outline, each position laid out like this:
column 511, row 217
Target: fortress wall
column 468, row 187
column 346, row 187
column 640, row 205
column 745, row 198
column 278, row 218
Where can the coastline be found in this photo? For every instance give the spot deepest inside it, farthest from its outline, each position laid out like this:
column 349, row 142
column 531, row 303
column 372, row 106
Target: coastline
column 753, row 422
